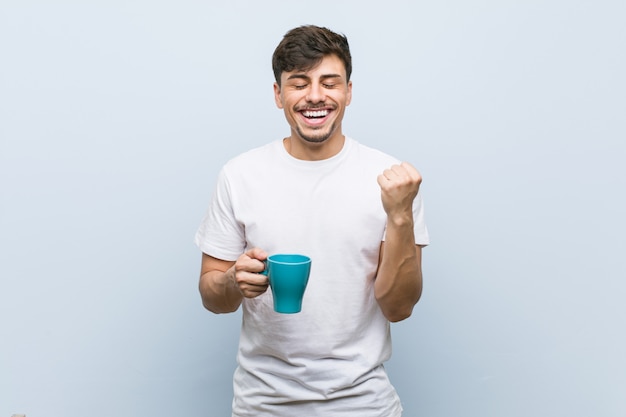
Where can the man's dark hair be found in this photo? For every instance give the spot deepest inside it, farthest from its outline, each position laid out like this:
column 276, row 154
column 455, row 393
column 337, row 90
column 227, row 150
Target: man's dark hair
column 304, row 47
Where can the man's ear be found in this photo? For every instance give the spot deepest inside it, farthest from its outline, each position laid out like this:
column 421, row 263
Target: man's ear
column 277, row 98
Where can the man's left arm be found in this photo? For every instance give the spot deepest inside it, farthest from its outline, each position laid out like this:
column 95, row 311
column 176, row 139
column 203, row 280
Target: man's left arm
column 398, row 284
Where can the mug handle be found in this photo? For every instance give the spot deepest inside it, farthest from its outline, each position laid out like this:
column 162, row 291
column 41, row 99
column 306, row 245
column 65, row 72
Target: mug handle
column 266, row 270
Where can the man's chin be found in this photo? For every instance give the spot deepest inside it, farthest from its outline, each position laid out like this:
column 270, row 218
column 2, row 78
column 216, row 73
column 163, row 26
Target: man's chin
column 319, row 137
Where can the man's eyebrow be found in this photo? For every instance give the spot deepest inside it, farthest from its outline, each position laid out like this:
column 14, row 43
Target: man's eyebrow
column 330, row 76
column 305, row 77
column 297, row 76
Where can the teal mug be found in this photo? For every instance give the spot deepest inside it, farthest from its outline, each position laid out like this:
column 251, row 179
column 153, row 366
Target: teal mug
column 288, row 275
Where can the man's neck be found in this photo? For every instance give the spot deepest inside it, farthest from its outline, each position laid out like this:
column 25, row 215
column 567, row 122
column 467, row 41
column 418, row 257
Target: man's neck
column 309, row 151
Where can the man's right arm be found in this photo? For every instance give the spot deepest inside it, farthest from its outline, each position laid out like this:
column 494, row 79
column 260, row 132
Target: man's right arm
column 224, row 284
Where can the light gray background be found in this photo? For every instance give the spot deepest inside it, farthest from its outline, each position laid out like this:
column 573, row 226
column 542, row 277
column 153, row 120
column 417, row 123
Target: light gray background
column 115, row 117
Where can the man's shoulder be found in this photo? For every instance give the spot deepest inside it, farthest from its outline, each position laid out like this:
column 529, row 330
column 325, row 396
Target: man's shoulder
column 372, row 154
column 252, row 157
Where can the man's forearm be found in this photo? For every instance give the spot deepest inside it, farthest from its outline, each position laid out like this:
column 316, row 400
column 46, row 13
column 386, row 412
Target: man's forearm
column 219, row 291
column 398, row 284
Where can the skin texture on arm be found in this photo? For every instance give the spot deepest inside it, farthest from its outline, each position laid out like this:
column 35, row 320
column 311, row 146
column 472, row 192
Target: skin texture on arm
column 398, row 284
column 224, row 284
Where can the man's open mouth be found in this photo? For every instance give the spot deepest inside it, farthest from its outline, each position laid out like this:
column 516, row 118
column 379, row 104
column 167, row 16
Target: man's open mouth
column 315, row 114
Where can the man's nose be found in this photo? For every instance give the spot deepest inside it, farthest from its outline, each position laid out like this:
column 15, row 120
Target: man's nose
column 316, row 93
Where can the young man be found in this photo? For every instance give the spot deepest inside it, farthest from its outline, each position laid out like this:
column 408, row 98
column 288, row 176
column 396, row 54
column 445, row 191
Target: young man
column 355, row 211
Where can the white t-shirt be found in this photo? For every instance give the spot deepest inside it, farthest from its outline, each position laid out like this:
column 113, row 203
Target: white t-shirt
column 326, row 360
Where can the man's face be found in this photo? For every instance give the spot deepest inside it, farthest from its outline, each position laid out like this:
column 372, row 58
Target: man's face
column 314, row 101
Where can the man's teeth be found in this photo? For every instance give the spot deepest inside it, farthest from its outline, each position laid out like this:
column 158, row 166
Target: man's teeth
column 318, row 113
